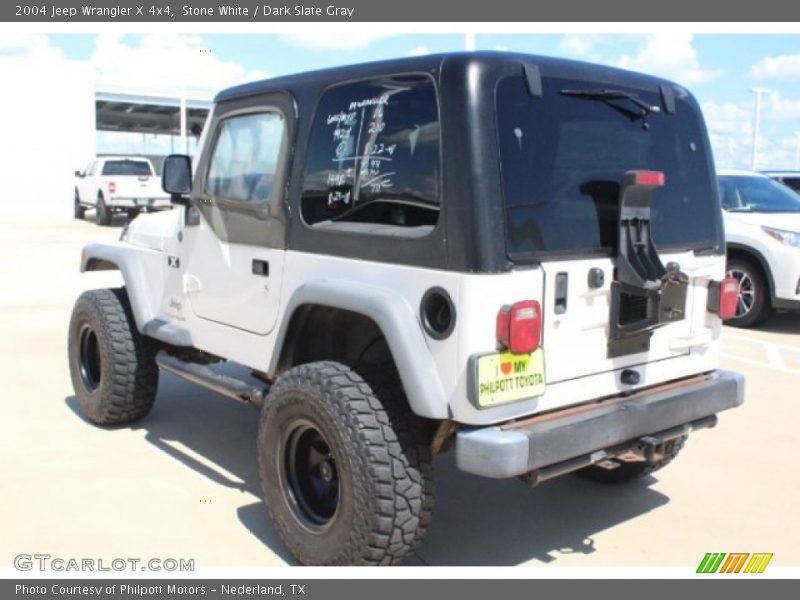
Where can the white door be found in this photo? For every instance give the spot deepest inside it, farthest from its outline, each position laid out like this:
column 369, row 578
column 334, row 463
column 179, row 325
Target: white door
column 236, row 253
column 233, row 284
column 85, row 184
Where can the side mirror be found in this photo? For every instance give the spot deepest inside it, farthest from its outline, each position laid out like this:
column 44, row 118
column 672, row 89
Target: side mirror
column 78, row 174
column 176, row 177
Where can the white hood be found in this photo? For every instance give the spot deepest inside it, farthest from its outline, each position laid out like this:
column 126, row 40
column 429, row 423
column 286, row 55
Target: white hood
column 152, row 230
column 785, row 221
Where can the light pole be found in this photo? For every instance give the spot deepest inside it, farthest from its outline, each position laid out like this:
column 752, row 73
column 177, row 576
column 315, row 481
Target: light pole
column 756, row 122
column 184, row 137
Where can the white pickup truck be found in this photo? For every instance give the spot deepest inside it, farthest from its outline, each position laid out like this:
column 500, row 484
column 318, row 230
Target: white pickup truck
column 112, row 184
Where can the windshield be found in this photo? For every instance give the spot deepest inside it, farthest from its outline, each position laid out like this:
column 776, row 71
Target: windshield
column 756, row 194
column 563, row 156
column 127, row 167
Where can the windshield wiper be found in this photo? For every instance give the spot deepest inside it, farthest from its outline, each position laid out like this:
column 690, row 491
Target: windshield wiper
column 605, row 94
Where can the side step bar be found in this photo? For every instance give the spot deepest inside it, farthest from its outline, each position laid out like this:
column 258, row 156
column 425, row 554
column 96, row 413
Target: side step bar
column 207, row 377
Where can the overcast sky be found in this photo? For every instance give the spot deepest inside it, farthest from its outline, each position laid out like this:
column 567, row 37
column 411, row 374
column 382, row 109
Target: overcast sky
column 719, row 69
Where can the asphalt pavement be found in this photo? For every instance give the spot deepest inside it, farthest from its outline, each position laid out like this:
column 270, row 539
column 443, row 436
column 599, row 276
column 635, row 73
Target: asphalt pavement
column 183, row 482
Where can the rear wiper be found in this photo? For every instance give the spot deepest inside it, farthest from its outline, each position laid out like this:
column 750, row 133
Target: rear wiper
column 604, row 94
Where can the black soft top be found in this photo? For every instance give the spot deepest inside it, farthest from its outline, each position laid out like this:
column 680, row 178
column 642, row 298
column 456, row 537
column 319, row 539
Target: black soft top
column 434, row 63
column 470, row 233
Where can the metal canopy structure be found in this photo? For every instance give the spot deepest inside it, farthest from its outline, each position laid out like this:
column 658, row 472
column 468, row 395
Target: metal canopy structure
column 143, row 113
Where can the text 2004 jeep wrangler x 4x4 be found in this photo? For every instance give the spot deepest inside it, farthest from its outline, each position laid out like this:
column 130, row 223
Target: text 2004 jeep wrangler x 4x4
column 517, row 258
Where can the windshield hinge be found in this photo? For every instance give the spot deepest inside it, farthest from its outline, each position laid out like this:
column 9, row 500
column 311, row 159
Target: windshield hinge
column 533, row 79
column 668, row 99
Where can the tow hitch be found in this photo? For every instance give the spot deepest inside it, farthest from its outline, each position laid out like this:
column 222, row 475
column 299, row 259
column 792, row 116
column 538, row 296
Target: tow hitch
column 648, row 448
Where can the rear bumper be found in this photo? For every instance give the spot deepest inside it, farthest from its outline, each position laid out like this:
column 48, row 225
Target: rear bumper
column 514, row 449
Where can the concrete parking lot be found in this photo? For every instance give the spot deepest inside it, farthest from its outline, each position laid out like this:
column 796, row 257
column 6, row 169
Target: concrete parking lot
column 183, row 482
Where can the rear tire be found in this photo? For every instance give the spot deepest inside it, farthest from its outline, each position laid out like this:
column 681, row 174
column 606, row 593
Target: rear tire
column 103, row 212
column 345, row 467
column 112, row 366
column 630, row 471
column 80, row 211
column 754, row 303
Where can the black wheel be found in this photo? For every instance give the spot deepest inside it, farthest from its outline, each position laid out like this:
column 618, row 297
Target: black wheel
column 620, row 471
column 80, row 211
column 103, row 212
column 345, row 467
column 753, row 306
column 113, row 367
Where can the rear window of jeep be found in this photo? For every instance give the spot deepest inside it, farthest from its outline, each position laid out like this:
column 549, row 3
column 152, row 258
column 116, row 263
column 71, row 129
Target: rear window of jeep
column 563, row 156
column 373, row 158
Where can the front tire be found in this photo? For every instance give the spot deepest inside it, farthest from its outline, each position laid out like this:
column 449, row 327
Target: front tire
column 753, row 305
column 345, row 467
column 112, row 366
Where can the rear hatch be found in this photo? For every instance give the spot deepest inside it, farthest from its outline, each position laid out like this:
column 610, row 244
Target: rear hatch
column 626, row 258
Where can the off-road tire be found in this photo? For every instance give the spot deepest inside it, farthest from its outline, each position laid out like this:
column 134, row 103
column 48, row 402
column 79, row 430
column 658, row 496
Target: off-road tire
column 629, row 471
column 80, row 211
column 112, row 366
column 381, row 458
column 103, row 213
column 761, row 308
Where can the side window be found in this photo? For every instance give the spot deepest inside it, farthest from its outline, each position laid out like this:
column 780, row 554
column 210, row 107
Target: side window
column 90, row 168
column 373, row 158
column 245, row 157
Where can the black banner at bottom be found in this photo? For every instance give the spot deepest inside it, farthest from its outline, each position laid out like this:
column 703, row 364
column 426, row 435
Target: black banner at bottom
column 387, row 589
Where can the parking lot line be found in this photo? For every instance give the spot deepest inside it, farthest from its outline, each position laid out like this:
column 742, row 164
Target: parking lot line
column 774, row 355
column 749, row 339
column 758, row 363
column 777, row 356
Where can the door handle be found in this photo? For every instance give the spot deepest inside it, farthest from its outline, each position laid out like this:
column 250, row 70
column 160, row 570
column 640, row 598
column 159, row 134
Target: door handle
column 260, row 267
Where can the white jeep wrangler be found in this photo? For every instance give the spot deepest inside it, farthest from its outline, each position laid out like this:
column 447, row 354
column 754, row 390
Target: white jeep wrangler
column 517, row 258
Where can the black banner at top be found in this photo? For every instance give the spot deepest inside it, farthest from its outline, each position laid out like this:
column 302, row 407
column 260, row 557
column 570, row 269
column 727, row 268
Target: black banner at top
column 261, row 11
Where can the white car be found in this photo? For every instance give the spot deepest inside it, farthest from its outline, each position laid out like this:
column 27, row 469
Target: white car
column 762, row 230
column 790, row 178
column 112, row 184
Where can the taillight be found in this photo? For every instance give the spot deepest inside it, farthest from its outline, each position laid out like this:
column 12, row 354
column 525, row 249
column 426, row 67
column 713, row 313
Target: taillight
column 728, row 298
column 112, row 187
column 519, row 326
